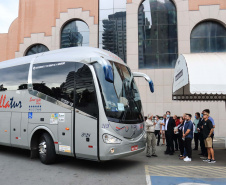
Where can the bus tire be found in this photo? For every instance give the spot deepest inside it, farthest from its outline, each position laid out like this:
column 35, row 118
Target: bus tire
column 47, row 153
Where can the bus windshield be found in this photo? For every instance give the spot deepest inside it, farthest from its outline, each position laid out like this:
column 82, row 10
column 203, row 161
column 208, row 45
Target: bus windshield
column 121, row 99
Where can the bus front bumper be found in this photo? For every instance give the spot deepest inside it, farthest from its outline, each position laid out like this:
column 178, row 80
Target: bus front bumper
column 122, row 150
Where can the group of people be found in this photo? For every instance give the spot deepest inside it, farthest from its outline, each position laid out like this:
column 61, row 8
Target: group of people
column 179, row 133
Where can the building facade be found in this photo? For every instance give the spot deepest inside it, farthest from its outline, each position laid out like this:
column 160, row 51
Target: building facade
column 147, row 34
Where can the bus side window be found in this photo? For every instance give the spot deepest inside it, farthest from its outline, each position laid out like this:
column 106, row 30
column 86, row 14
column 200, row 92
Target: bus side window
column 55, row 79
column 14, row 78
column 85, row 98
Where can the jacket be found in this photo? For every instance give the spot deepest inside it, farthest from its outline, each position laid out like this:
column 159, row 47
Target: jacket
column 149, row 126
column 170, row 126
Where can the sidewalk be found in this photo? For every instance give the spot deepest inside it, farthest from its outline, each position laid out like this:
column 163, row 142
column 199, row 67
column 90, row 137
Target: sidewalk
column 169, row 170
column 162, row 159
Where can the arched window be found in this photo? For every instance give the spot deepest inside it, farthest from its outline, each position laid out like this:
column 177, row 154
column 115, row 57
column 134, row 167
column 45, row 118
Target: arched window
column 157, row 34
column 75, row 33
column 38, row 48
column 208, row 36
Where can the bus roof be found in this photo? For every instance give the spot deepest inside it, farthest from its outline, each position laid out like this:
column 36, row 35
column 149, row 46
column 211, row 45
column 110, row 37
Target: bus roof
column 73, row 54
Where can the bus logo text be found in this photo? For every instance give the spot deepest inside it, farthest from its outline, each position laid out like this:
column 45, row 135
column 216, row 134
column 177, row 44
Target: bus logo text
column 9, row 104
column 37, row 100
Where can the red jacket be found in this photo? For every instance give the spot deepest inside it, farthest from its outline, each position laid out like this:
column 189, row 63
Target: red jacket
column 177, row 122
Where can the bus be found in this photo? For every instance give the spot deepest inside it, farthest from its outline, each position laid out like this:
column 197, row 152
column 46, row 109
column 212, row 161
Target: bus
column 81, row 102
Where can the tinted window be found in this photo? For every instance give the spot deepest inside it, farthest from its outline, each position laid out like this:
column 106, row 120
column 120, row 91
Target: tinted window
column 112, row 27
column 157, row 34
column 75, row 33
column 38, row 48
column 59, row 79
column 55, row 80
column 14, row 78
column 85, row 90
column 208, row 36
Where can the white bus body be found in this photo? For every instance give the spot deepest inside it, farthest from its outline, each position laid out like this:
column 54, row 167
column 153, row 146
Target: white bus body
column 81, row 102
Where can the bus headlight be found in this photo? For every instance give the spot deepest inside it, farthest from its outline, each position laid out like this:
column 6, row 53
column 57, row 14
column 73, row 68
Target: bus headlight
column 109, row 139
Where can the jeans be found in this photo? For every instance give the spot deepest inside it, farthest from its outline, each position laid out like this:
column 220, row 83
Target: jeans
column 157, row 132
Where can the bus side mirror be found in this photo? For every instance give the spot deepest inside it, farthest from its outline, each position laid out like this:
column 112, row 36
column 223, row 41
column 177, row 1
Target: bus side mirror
column 106, row 65
column 108, row 72
column 147, row 78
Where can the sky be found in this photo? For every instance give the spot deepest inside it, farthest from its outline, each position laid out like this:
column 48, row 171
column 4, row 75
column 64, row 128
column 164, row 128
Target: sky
column 8, row 13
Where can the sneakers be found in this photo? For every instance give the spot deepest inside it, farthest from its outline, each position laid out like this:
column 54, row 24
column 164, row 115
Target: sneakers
column 211, row 161
column 206, row 160
column 187, row 159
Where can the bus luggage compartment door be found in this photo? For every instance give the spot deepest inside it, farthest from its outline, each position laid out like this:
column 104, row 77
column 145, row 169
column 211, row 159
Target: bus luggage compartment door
column 85, row 136
column 15, row 128
column 5, row 128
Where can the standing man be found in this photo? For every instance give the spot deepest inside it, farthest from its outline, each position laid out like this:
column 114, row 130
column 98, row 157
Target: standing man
column 169, row 130
column 207, row 135
column 188, row 135
column 151, row 139
column 201, row 139
column 196, row 133
column 212, row 120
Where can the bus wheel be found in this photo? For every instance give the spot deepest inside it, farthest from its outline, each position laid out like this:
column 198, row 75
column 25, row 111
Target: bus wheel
column 47, row 153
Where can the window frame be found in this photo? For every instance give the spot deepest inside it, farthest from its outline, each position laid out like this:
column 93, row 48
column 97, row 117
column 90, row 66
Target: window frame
column 153, row 34
column 69, row 22
column 207, row 41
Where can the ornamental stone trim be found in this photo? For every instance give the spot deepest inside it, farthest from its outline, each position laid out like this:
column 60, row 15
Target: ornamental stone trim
column 53, row 42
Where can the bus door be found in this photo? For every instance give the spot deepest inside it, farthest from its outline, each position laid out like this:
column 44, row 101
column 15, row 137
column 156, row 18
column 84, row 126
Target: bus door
column 85, row 136
column 86, row 114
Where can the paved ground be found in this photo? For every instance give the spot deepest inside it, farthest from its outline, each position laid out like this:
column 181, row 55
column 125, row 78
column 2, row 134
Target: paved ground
column 17, row 168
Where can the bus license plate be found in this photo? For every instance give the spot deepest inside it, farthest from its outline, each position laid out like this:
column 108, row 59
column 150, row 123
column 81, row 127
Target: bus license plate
column 134, row 148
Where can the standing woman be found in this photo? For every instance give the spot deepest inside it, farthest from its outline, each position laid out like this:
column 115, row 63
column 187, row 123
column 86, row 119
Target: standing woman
column 180, row 134
column 162, row 129
column 157, row 129
column 175, row 138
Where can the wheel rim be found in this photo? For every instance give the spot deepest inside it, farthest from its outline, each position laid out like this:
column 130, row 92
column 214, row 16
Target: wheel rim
column 42, row 148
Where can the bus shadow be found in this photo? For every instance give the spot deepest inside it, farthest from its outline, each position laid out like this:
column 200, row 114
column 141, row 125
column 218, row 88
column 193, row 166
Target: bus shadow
column 73, row 163
column 14, row 152
column 112, row 165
